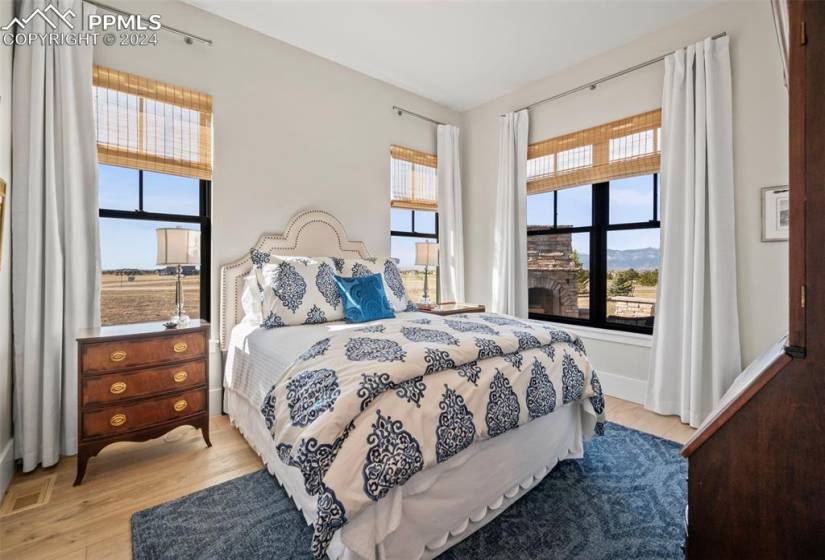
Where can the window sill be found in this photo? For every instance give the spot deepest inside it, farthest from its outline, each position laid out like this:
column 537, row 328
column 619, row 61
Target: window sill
column 607, row 335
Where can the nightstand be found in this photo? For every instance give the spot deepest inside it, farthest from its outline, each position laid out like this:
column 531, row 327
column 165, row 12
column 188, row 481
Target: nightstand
column 137, row 382
column 451, row 308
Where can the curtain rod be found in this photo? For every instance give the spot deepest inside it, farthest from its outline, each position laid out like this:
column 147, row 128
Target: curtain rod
column 592, row 85
column 402, row 110
column 187, row 37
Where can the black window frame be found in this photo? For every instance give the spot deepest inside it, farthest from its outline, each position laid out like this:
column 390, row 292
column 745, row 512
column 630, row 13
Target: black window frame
column 418, row 235
column 412, row 232
column 598, row 229
column 203, row 219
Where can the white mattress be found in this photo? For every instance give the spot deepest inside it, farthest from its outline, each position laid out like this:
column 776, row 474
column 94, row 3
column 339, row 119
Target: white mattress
column 438, row 506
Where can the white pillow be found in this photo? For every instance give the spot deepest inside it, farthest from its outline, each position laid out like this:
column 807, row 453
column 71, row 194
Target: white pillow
column 251, row 299
column 393, row 286
column 299, row 291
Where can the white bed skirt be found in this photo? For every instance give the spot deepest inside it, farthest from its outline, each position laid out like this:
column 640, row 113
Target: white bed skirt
column 462, row 494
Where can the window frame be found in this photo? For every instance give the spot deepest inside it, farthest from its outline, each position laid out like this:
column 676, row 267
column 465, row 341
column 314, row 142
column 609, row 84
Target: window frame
column 418, row 235
column 598, row 229
column 412, row 232
column 203, row 219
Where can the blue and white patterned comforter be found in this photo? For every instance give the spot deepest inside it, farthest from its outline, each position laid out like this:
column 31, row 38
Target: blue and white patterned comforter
column 362, row 411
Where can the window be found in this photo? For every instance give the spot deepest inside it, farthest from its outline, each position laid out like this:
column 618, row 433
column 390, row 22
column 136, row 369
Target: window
column 413, row 215
column 593, row 225
column 133, row 204
column 593, row 254
column 155, row 168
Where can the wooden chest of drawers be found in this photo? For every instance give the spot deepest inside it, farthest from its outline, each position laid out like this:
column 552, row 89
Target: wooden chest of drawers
column 137, row 382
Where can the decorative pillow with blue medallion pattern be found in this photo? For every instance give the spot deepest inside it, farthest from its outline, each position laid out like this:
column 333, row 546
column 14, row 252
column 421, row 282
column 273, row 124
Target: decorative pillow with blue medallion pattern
column 393, row 286
column 364, row 298
column 253, row 292
column 259, row 260
column 299, row 291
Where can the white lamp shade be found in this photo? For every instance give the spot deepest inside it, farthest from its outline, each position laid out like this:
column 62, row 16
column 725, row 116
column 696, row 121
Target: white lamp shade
column 178, row 246
column 426, row 254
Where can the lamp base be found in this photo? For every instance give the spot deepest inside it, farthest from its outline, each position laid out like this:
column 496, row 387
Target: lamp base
column 179, row 317
column 180, row 320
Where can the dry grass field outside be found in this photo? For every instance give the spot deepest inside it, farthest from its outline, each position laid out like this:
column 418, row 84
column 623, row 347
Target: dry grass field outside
column 147, row 297
column 414, row 284
column 644, row 291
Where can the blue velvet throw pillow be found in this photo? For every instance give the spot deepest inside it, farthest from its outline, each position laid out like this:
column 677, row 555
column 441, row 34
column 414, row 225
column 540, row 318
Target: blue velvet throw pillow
column 364, row 298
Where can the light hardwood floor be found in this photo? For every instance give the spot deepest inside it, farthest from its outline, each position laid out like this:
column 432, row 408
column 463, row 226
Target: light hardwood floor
column 91, row 521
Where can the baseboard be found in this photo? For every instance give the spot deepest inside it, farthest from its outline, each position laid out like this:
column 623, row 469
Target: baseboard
column 215, row 401
column 623, row 387
column 215, row 378
column 6, row 466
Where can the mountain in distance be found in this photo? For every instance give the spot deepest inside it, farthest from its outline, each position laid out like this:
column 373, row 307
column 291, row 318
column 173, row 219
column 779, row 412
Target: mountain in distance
column 639, row 259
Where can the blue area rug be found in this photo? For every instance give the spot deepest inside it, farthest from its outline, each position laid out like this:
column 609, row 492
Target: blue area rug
column 625, row 499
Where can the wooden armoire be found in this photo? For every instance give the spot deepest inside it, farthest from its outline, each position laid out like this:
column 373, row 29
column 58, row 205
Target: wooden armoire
column 756, row 475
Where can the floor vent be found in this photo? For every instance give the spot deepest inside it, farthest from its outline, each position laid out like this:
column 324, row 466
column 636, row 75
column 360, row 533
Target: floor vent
column 27, row 495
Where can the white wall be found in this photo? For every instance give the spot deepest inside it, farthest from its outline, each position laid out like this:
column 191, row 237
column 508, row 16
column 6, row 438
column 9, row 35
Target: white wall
column 6, row 452
column 292, row 131
column 760, row 152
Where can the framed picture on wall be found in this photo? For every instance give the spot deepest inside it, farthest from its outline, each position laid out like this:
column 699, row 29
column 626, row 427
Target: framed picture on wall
column 776, row 213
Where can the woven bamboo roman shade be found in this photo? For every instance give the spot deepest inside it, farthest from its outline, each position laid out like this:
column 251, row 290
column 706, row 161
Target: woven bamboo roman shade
column 413, row 179
column 151, row 125
column 622, row 148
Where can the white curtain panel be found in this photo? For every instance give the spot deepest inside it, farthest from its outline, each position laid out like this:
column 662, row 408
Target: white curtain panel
column 509, row 283
column 55, row 255
column 781, row 21
column 450, row 223
column 695, row 355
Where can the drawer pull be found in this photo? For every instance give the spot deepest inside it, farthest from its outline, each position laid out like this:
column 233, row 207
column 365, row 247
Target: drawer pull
column 180, row 347
column 180, row 376
column 117, row 420
column 181, row 405
column 118, row 388
column 117, row 356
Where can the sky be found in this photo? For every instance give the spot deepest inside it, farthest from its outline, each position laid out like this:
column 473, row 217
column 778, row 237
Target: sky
column 403, row 248
column 132, row 243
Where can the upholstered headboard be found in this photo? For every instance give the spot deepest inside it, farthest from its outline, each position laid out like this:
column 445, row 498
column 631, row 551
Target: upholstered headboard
column 313, row 233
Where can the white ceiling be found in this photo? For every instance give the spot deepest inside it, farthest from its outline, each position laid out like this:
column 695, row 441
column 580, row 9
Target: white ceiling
column 459, row 54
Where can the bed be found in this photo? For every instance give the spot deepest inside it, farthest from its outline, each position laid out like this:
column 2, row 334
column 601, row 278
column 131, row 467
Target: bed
column 437, row 506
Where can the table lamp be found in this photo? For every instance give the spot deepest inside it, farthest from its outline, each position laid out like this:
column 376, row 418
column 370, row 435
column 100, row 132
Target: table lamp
column 178, row 247
column 426, row 255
